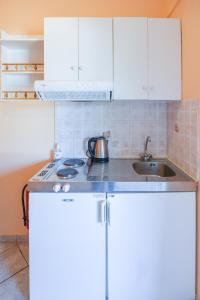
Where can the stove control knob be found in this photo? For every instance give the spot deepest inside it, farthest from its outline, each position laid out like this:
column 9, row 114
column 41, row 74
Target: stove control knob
column 66, row 188
column 56, row 187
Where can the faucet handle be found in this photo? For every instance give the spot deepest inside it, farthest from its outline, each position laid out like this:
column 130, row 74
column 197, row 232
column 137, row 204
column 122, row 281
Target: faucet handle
column 147, row 157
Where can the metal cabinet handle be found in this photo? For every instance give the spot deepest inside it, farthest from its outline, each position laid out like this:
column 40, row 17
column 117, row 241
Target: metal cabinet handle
column 72, row 68
column 108, row 213
column 151, row 88
column 101, row 211
column 80, row 68
column 148, row 88
column 145, row 88
column 68, row 200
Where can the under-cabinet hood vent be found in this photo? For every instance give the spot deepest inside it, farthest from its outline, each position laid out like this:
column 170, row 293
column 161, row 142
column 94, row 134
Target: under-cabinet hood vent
column 74, row 90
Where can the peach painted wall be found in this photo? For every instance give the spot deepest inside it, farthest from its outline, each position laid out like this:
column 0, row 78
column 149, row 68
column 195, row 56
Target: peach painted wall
column 26, row 138
column 189, row 13
column 22, row 16
column 27, row 130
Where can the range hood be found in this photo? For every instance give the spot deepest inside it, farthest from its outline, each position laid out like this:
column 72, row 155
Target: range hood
column 74, row 90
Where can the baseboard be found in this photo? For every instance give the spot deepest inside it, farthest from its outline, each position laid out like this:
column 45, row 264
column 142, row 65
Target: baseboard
column 12, row 238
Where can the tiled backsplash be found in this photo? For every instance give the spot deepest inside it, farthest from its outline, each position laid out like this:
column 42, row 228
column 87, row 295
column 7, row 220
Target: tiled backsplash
column 183, row 135
column 129, row 122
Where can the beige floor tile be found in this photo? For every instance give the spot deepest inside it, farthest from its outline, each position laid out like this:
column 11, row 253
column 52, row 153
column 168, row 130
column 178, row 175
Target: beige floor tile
column 16, row 287
column 11, row 261
column 6, row 245
column 23, row 245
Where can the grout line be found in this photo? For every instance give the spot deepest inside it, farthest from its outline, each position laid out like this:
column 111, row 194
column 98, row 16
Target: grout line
column 8, row 238
column 15, row 244
column 182, row 169
column 13, row 275
column 13, row 238
column 22, row 253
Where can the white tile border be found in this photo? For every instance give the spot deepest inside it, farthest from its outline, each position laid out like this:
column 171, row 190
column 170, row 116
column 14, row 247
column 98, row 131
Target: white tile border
column 12, row 238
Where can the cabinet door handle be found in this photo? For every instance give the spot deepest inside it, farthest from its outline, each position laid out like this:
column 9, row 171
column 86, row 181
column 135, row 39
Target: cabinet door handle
column 145, row 88
column 72, row 68
column 101, row 211
column 151, row 88
column 108, row 213
column 80, row 68
column 68, row 200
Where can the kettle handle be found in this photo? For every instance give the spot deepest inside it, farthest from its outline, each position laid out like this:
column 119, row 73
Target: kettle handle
column 90, row 150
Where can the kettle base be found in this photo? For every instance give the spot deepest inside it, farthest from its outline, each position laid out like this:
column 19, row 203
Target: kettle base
column 101, row 160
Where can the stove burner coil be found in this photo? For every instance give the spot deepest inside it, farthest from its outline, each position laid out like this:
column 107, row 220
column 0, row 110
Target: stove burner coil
column 67, row 173
column 74, row 162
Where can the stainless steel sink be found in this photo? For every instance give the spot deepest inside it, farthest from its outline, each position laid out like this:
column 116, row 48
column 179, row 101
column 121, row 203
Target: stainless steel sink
column 153, row 168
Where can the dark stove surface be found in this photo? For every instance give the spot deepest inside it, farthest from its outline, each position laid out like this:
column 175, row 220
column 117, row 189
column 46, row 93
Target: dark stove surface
column 67, row 173
column 74, row 162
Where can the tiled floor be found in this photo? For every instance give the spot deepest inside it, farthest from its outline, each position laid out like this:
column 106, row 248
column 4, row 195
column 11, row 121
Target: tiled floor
column 14, row 270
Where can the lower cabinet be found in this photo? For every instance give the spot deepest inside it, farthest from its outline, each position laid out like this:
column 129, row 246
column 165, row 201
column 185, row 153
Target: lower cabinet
column 151, row 246
column 130, row 246
column 67, row 246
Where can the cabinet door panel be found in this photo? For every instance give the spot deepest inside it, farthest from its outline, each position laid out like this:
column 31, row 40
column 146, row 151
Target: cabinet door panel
column 95, row 49
column 164, row 41
column 67, row 247
column 151, row 246
column 130, row 58
column 61, row 48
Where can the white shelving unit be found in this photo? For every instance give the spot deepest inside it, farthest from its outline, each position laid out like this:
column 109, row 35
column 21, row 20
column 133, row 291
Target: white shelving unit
column 22, row 62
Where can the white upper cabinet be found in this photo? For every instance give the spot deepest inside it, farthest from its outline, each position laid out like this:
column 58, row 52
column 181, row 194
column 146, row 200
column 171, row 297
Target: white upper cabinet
column 147, row 54
column 130, row 58
column 164, row 40
column 95, row 49
column 61, row 48
column 147, row 59
column 78, row 48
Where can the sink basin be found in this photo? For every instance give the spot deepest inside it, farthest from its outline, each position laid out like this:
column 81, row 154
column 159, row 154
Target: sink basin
column 153, row 169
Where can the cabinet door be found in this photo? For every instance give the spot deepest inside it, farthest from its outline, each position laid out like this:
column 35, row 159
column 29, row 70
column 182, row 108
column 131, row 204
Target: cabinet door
column 130, row 58
column 95, row 49
column 151, row 246
column 164, row 40
column 67, row 247
column 61, row 48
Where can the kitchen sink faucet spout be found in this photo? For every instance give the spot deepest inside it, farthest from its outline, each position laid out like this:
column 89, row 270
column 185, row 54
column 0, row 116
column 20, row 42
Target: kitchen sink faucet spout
column 147, row 156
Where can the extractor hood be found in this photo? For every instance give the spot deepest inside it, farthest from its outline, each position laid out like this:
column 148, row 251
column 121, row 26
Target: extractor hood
column 74, row 90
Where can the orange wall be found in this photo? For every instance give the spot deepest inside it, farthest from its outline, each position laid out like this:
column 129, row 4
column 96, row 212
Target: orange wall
column 26, row 16
column 26, row 138
column 189, row 13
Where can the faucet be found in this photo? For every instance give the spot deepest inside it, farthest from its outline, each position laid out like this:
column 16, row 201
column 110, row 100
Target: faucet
column 147, row 156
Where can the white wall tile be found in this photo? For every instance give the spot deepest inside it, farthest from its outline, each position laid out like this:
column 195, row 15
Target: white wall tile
column 183, row 135
column 129, row 122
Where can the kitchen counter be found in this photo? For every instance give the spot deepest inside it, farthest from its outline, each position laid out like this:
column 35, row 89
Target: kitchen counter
column 118, row 175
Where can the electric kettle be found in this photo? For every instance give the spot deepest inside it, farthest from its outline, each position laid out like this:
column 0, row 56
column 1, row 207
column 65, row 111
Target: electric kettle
column 98, row 149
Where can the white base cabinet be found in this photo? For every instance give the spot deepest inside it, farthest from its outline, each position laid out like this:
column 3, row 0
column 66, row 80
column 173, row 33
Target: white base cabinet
column 67, row 246
column 151, row 242
column 130, row 246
